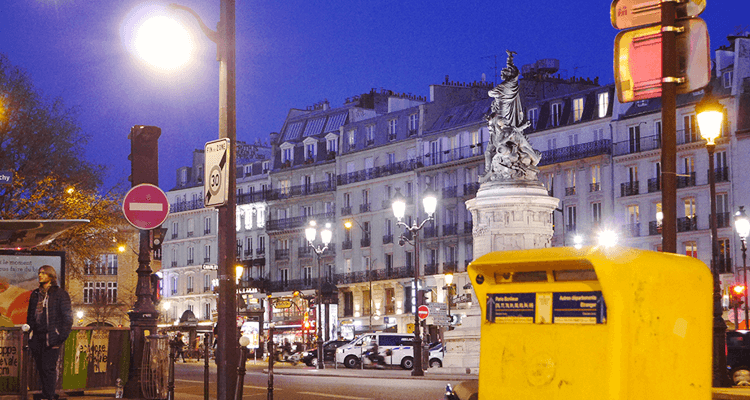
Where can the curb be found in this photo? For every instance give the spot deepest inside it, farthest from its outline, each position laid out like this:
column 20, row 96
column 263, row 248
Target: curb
column 371, row 374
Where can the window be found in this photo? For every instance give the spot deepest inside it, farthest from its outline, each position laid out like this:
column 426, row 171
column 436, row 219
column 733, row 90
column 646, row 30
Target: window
column 598, row 134
column 476, row 147
column 348, row 304
column 577, row 109
column 657, row 130
column 266, row 166
column 191, row 227
column 347, row 200
column 390, row 300
column 634, row 215
column 332, row 145
column 286, row 155
column 570, row 180
column 207, row 311
column 110, row 261
column 351, row 138
column 551, row 144
column 310, row 151
column 596, row 212
column 285, row 187
column 190, row 284
column 603, row 104
column 556, row 114
column 248, row 170
column 689, row 207
column 88, row 292
column 370, row 134
column 207, row 253
column 175, row 229
column 391, row 158
column 634, row 139
column 573, row 139
column 366, row 302
column 689, row 129
column 691, row 249
column 633, row 174
column 307, row 275
column 206, row 282
column 726, row 79
column 284, row 276
column 688, row 165
column 571, row 218
column 533, row 117
column 596, row 178
column 206, row 225
column 413, row 122
column 191, row 255
column 174, row 284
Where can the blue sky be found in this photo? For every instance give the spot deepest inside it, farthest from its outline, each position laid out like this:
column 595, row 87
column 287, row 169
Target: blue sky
column 292, row 54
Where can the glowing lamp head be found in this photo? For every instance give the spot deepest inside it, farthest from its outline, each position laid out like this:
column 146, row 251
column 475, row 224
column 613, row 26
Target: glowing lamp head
column 326, row 234
column 399, row 205
column 238, row 270
column 607, row 238
column 449, row 278
column 710, row 114
column 311, row 232
column 430, row 203
column 742, row 223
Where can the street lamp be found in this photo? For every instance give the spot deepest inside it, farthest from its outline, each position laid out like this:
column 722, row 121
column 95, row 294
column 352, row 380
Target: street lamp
column 742, row 225
column 450, row 290
column 399, row 209
column 166, row 306
column 710, row 114
column 325, row 236
column 80, row 314
column 607, row 238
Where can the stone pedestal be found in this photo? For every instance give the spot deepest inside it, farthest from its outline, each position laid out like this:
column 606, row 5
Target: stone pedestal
column 507, row 216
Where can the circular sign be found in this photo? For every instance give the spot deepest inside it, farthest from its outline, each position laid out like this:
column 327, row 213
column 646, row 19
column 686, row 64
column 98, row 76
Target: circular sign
column 214, row 180
column 145, row 206
column 423, row 312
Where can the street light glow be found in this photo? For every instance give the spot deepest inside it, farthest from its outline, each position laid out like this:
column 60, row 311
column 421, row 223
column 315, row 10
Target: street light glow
column 607, row 238
column 163, row 42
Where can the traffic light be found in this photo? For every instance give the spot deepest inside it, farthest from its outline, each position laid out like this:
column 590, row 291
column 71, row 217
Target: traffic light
column 144, row 154
column 737, row 295
column 155, row 288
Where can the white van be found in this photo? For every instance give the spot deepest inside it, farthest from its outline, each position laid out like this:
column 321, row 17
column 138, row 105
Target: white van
column 351, row 354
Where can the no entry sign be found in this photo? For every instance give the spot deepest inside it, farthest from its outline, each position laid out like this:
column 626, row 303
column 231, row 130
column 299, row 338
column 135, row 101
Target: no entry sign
column 423, row 312
column 145, row 206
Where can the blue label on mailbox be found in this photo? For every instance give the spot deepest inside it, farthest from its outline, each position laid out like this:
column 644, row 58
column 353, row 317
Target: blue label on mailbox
column 511, row 307
column 578, row 308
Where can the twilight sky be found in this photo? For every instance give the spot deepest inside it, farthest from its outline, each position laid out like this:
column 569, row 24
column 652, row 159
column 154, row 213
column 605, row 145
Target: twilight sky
column 293, row 54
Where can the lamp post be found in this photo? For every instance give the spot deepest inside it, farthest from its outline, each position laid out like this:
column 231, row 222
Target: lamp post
column 325, row 237
column 710, row 114
column 450, row 289
column 742, row 225
column 399, row 209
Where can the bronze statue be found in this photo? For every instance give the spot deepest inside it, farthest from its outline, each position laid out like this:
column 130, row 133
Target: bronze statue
column 509, row 155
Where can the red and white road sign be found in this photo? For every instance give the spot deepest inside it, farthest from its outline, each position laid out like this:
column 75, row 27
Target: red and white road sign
column 423, row 312
column 145, row 206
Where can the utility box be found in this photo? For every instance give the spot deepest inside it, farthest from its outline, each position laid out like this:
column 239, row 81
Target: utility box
column 593, row 323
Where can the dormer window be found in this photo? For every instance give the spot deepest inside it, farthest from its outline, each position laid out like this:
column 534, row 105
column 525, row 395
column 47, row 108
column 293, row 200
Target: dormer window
column 577, row 109
column 352, row 139
column 266, row 166
column 287, row 153
column 533, row 117
column 602, row 103
column 556, row 114
column 332, row 144
column 311, row 149
column 726, row 79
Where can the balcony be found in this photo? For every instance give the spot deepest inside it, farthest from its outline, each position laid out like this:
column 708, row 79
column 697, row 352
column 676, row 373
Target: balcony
column 207, row 231
column 260, row 252
column 654, row 228
column 725, row 264
column 330, row 251
column 449, row 192
column 173, row 263
column 685, row 136
column 190, row 234
column 304, row 251
column 450, row 266
column 191, row 261
column 570, row 191
column 632, row 230
column 370, row 142
column 296, row 222
column 595, row 187
column 570, row 228
column 391, row 137
column 186, row 205
column 282, row 254
column 723, row 220
column 654, row 185
column 363, row 208
column 645, row 143
column 387, row 239
column 468, row 226
column 304, row 189
column 254, row 197
column 412, row 132
column 720, row 174
column 189, row 290
column 174, row 235
column 346, row 210
column 206, row 289
column 364, row 242
column 470, row 189
column 687, row 224
column 346, row 245
column 249, row 253
column 377, row 172
column 628, row 189
column 206, row 260
column 450, row 229
column 685, row 180
column 576, row 152
column 430, row 232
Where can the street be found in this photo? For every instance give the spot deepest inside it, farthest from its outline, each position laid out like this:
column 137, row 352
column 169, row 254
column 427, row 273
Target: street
column 302, row 382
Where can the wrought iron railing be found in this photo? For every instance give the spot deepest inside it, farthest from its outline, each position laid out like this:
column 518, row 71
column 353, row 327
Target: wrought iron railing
column 576, row 152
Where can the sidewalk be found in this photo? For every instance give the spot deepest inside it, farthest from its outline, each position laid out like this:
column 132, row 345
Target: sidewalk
column 389, row 373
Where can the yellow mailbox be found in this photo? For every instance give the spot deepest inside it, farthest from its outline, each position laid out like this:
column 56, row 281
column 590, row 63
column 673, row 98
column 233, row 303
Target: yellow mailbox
column 616, row 323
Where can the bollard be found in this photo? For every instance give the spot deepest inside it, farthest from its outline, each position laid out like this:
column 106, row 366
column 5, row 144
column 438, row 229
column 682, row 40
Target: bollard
column 244, row 341
column 205, row 366
column 170, row 382
column 271, row 356
column 24, row 381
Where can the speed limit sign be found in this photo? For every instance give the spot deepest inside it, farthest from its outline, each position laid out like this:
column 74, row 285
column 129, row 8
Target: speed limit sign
column 216, row 175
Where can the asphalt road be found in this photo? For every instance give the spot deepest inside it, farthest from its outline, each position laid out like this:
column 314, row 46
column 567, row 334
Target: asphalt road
column 300, row 382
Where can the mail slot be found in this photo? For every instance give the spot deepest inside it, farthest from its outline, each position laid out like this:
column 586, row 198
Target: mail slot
column 593, row 323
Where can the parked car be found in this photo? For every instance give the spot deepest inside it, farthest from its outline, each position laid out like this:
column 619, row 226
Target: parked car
column 738, row 357
column 310, row 357
column 437, row 352
column 389, row 345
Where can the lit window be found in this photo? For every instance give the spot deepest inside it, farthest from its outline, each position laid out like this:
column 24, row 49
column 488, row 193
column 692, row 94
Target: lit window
column 556, row 114
column 603, row 103
column 577, row 109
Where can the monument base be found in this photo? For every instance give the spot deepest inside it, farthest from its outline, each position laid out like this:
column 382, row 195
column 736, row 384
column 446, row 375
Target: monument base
column 515, row 215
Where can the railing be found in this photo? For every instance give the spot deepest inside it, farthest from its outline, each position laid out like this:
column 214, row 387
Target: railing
column 570, row 228
column 189, row 290
column 685, row 136
column 206, row 259
column 377, row 172
column 364, row 207
column 191, row 261
column 686, row 224
column 296, row 222
column 186, row 205
column 450, row 266
column 628, row 189
column 412, row 132
column 576, row 152
column 391, row 136
column 645, row 143
column 304, row 251
column 430, row 232
column 430, row 268
column 470, row 189
column 595, row 187
column 632, row 230
column 254, row 197
column 654, row 228
column 570, row 191
column 174, row 235
column 364, row 242
column 302, row 190
column 654, row 185
column 686, row 181
column 450, row 229
column 720, row 174
column 190, row 234
column 346, row 245
column 207, row 231
column 346, row 210
column 206, row 289
column 449, row 192
column 261, row 251
column 248, row 252
column 281, row 254
column 387, row 239
column 723, row 220
column 173, row 263
column 468, row 226
column 447, row 156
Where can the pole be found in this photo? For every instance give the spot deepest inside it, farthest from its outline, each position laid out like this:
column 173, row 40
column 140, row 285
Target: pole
column 319, row 307
column 720, row 377
column 23, row 381
column 206, row 342
column 170, row 379
column 744, row 272
column 417, row 370
column 226, row 352
column 241, row 374
column 271, row 355
column 669, row 130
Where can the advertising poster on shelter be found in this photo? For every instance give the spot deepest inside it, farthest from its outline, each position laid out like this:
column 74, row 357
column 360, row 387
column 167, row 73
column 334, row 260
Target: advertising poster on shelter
column 10, row 353
column 18, row 277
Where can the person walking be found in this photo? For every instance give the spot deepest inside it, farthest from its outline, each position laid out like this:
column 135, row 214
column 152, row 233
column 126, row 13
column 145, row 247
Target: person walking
column 51, row 320
column 178, row 344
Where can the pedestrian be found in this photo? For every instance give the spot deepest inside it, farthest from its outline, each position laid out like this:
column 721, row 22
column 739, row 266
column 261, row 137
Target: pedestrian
column 178, row 346
column 51, row 321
